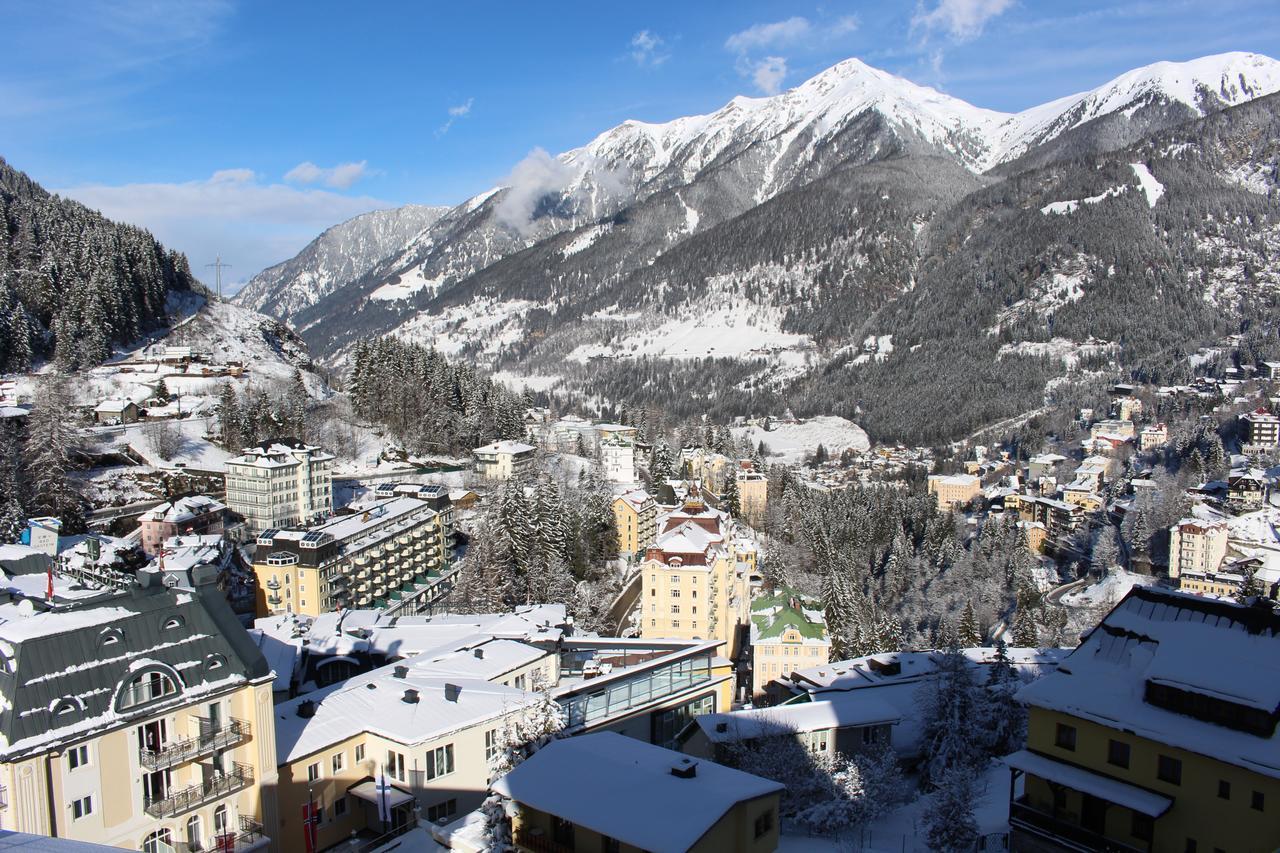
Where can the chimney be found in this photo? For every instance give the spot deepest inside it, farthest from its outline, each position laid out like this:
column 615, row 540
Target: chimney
column 479, row 654
column 410, row 697
column 306, row 709
column 452, row 692
column 686, row 769
column 400, row 672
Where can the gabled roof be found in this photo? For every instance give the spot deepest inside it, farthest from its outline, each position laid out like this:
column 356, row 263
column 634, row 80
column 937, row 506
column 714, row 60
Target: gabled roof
column 624, row 788
column 833, row 711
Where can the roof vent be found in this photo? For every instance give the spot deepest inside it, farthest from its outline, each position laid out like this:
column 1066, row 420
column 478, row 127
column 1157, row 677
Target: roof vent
column 479, row 654
column 686, row 769
column 306, row 709
column 400, row 672
column 722, row 727
column 410, row 697
column 451, row 692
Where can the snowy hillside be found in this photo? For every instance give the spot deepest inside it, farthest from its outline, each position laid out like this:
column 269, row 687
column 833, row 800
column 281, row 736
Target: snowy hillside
column 337, row 257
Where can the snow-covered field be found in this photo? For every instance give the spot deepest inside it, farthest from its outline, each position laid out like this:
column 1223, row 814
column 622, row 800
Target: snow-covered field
column 521, row 382
column 410, row 283
column 490, row 323
column 1064, row 350
column 790, row 443
column 1108, row 591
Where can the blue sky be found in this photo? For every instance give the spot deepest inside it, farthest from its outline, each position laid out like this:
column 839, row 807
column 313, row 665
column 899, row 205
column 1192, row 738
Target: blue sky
column 246, row 128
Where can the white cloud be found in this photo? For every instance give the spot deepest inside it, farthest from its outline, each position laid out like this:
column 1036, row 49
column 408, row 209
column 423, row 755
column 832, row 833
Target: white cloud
column 770, row 36
column 341, row 176
column 962, row 20
column 769, row 73
column 251, row 224
column 646, row 49
column 537, row 175
column 456, row 112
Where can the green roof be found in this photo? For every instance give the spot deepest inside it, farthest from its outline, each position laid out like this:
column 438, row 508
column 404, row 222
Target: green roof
column 773, row 615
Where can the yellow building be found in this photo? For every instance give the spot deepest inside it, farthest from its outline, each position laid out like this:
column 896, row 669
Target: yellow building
column 606, row 792
column 954, row 490
column 1081, row 494
column 388, row 550
column 694, row 579
column 1196, row 546
column 788, row 632
column 138, row 718
column 753, row 496
column 636, row 517
column 1157, row 733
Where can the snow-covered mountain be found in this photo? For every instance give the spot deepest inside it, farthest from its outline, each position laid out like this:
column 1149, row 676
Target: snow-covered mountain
column 340, row 255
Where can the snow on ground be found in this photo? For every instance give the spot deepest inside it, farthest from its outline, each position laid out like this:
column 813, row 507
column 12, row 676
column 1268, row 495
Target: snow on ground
column 409, row 283
column 1049, row 292
column 875, row 346
column 583, row 239
column 1067, row 351
column 489, row 323
column 727, row 332
column 1061, row 208
column 791, row 442
column 1108, row 591
column 1151, row 188
column 520, row 382
column 196, row 451
column 115, row 486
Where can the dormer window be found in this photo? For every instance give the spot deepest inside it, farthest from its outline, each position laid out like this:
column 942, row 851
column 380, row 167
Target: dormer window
column 110, row 637
column 173, row 623
column 67, row 706
column 213, row 662
column 146, row 688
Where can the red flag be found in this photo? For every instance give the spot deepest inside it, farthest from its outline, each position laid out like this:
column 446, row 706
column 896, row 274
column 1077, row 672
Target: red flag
column 310, row 820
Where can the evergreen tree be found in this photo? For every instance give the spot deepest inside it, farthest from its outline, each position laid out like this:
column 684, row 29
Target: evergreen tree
column 1025, row 634
column 950, row 826
column 951, row 711
column 969, row 634
column 732, row 503
column 13, row 516
column 50, row 439
column 161, row 391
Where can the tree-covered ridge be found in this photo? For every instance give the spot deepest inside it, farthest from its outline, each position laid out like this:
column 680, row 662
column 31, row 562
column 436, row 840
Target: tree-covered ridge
column 427, row 403
column 72, row 282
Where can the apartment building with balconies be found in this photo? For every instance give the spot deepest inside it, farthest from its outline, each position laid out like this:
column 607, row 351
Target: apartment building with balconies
column 386, row 551
column 635, row 514
column 138, row 717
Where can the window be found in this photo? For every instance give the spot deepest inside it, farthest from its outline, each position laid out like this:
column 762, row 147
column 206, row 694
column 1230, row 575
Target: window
column 1059, row 797
column 158, row 841
column 148, row 687
column 1169, row 770
column 695, row 592
column 338, row 760
column 313, row 772
column 220, row 820
column 490, row 744
column 82, row 807
column 675, row 623
column 610, row 845
column 442, row 811
column 519, row 682
column 193, row 833
column 359, row 752
column 340, row 807
column 764, row 824
column 1256, row 802
column 675, row 593
column 78, row 756
column 395, row 765
column 173, row 623
column 1118, row 753
column 1065, row 737
column 561, row 831
column 440, row 761
column 652, row 593
column 653, row 623
column 1224, row 789
column 1141, row 827
column 675, row 608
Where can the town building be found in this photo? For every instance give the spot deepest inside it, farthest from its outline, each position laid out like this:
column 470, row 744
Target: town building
column 1081, row 494
column 280, row 483
column 115, row 411
column 618, row 458
column 636, row 515
column 953, row 491
column 608, row 792
column 197, row 515
column 1113, row 428
column 1261, row 431
column 388, row 550
column 1246, row 490
column 1126, row 408
column 753, row 494
column 1044, row 465
column 788, row 632
column 1158, row 732
column 503, row 460
column 695, row 577
column 138, row 717
column 1196, row 546
column 1153, row 437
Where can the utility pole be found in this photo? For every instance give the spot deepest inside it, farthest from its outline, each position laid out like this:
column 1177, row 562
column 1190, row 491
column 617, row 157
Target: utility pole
column 218, row 267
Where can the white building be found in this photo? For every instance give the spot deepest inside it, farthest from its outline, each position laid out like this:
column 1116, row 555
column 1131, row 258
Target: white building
column 618, row 453
column 503, row 460
column 280, row 483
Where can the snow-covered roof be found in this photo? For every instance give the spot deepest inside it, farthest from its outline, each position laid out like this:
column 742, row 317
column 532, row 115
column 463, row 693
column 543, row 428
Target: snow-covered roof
column 833, row 711
column 113, row 406
column 375, row 702
column 623, row 788
column 1078, row 779
column 512, row 447
column 1219, row 650
column 183, row 509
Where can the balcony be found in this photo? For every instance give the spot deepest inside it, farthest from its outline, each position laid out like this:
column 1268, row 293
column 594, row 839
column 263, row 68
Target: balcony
column 1062, row 834
column 209, row 741
column 526, row 838
column 273, row 584
column 240, row 776
column 250, row 837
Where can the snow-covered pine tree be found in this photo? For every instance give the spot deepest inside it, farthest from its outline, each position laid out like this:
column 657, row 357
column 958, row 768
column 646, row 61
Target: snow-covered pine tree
column 969, row 634
column 50, row 440
column 732, row 503
column 1025, row 633
column 951, row 708
column 950, row 826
